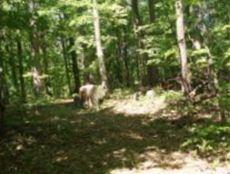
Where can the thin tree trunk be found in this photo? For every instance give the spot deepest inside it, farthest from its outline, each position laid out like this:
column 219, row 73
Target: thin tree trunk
column 100, row 54
column 119, row 58
column 124, row 55
column 74, row 65
column 65, row 57
column 151, row 4
column 180, row 26
column 21, row 70
column 152, row 70
column 35, row 70
column 139, row 35
column 47, row 82
column 2, row 103
column 35, row 63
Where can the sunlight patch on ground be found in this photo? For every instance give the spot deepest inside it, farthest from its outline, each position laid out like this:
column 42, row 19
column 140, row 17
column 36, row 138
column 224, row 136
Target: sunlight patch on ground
column 63, row 101
column 137, row 107
column 177, row 163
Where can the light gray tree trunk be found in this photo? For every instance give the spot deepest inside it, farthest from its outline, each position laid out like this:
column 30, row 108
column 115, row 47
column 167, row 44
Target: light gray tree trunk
column 180, row 27
column 100, row 54
column 35, row 46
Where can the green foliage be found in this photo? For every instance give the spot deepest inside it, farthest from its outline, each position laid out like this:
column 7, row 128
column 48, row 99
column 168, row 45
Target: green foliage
column 208, row 138
column 56, row 21
column 224, row 99
column 121, row 93
column 173, row 96
column 60, row 138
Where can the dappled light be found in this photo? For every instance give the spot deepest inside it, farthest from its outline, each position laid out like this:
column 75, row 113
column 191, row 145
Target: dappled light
column 114, row 87
column 64, row 139
column 131, row 107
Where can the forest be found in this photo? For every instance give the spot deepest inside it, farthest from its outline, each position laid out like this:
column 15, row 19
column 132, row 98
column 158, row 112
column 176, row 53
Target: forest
column 114, row 86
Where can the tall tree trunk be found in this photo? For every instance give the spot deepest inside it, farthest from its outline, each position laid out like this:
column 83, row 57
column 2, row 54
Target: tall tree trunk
column 21, row 70
column 152, row 70
column 180, row 27
column 151, row 4
column 124, row 53
column 120, row 68
column 2, row 103
column 100, row 54
column 47, row 82
column 75, row 68
column 34, row 39
column 122, row 56
column 65, row 57
column 35, row 70
column 139, row 36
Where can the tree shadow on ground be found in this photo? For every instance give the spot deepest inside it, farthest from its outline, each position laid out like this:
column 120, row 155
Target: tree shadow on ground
column 62, row 139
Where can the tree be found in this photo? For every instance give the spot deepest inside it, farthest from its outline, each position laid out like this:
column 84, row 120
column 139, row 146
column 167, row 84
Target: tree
column 2, row 103
column 138, row 44
column 74, row 65
column 139, row 34
column 151, row 4
column 21, row 69
column 35, row 48
column 152, row 70
column 65, row 57
column 100, row 53
column 180, row 27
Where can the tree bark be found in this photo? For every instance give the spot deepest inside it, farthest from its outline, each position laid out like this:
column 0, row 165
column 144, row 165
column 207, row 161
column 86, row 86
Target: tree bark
column 35, row 63
column 119, row 66
column 74, row 65
column 180, row 27
column 2, row 103
column 139, row 35
column 100, row 54
column 120, row 59
column 124, row 55
column 65, row 57
column 21, row 70
column 152, row 70
column 47, row 81
column 151, row 4
column 126, row 62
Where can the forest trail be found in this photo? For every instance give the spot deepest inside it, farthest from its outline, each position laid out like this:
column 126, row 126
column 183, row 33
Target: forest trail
column 118, row 139
column 177, row 163
column 131, row 106
column 165, row 66
column 157, row 161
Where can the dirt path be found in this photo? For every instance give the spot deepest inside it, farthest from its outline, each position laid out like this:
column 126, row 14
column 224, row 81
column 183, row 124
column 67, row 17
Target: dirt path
column 181, row 163
column 124, row 137
column 175, row 163
column 133, row 107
